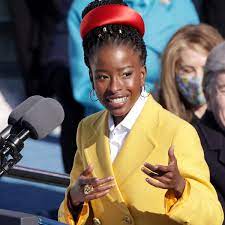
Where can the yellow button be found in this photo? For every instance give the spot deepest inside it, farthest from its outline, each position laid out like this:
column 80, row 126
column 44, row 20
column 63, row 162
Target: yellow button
column 96, row 221
column 127, row 220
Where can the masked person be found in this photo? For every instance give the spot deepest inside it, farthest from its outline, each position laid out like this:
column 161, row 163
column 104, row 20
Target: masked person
column 211, row 127
column 182, row 70
column 136, row 163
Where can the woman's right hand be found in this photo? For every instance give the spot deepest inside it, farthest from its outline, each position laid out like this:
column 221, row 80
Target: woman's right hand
column 101, row 187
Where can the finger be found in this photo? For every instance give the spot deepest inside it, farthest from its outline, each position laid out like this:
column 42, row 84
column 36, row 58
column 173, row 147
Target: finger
column 103, row 188
column 172, row 158
column 94, row 181
column 87, row 180
column 160, row 169
column 163, row 180
column 156, row 183
column 103, row 181
column 148, row 172
column 150, row 166
column 96, row 195
column 88, row 171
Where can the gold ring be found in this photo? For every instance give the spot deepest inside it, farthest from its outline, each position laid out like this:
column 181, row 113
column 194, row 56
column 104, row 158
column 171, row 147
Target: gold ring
column 88, row 188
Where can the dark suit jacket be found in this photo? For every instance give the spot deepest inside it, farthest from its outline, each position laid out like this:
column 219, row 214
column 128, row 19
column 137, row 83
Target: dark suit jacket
column 213, row 142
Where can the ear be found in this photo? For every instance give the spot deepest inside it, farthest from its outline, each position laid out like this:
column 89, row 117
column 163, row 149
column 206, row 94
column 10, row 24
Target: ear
column 91, row 79
column 208, row 100
column 143, row 74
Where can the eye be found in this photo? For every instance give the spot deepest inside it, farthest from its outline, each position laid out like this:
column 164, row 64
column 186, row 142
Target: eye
column 187, row 70
column 127, row 74
column 101, row 77
column 222, row 90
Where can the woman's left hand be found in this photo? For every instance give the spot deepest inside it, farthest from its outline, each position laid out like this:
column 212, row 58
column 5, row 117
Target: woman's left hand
column 166, row 177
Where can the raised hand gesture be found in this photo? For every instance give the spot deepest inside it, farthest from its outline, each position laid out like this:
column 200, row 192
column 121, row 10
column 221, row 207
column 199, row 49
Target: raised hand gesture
column 166, row 177
column 88, row 187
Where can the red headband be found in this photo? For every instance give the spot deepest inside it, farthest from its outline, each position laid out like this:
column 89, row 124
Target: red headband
column 111, row 14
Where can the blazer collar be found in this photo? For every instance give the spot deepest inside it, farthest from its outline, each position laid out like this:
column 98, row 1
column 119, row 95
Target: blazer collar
column 139, row 143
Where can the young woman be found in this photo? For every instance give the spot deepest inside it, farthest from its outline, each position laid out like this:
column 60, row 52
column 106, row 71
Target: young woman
column 136, row 163
column 182, row 70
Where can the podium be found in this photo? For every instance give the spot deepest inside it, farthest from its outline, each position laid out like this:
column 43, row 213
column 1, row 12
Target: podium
column 8, row 217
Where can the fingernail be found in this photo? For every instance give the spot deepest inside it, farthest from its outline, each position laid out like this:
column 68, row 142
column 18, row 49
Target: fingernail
column 147, row 179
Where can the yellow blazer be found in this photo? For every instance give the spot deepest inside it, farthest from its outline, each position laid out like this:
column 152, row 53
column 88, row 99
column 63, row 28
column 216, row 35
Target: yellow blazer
column 133, row 200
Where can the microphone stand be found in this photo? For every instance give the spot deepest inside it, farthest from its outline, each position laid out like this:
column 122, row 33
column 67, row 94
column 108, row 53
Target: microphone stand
column 10, row 150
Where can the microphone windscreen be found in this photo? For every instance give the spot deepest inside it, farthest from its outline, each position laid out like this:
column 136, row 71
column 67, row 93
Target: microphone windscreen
column 22, row 108
column 43, row 117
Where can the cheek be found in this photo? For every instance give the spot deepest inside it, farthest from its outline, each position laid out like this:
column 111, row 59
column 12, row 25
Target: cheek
column 100, row 88
column 137, row 81
column 220, row 101
column 217, row 105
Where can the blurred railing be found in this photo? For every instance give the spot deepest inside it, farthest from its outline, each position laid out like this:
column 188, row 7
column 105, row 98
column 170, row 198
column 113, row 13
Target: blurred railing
column 39, row 176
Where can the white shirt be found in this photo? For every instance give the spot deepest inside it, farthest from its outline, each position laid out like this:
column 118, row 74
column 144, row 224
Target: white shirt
column 118, row 134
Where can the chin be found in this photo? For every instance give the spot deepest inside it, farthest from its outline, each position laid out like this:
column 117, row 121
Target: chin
column 119, row 112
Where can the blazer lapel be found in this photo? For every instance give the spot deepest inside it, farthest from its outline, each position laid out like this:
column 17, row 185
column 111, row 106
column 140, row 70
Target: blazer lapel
column 139, row 143
column 98, row 154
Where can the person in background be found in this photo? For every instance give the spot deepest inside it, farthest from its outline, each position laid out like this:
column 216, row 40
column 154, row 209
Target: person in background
column 41, row 35
column 211, row 127
column 136, row 163
column 163, row 19
column 182, row 70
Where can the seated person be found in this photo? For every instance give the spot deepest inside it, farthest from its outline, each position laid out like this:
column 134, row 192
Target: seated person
column 211, row 128
column 182, row 70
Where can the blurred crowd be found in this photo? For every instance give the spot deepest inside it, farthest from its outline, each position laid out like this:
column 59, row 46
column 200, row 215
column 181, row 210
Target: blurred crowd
column 185, row 64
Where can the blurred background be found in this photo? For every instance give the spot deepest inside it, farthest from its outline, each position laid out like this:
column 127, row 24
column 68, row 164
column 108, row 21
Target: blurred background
column 37, row 186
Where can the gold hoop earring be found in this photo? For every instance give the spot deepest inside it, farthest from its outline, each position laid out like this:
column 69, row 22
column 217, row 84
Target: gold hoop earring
column 143, row 90
column 93, row 96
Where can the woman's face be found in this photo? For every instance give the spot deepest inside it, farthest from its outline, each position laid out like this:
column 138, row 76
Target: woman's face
column 217, row 99
column 191, row 63
column 189, row 75
column 118, row 77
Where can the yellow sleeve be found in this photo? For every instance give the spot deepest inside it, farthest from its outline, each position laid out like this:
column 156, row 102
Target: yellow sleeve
column 64, row 214
column 199, row 204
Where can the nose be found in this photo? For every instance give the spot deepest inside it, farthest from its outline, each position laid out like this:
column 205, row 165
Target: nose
column 115, row 85
column 200, row 72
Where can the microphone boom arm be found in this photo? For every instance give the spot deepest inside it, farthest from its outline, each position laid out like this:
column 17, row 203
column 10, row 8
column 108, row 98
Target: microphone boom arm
column 10, row 150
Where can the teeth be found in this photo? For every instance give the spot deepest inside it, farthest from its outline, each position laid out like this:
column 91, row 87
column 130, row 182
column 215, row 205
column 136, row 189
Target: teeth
column 118, row 100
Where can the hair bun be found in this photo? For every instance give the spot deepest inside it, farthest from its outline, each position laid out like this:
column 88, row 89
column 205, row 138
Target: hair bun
column 98, row 3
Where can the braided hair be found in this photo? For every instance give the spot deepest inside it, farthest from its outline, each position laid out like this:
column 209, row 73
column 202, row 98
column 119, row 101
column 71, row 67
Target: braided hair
column 112, row 33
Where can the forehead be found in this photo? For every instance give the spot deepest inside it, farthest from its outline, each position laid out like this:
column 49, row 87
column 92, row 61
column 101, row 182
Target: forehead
column 192, row 57
column 114, row 55
column 220, row 79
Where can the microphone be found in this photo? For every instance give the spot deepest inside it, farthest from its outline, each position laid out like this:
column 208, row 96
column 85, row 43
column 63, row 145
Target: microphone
column 36, row 123
column 43, row 118
column 20, row 110
column 18, row 113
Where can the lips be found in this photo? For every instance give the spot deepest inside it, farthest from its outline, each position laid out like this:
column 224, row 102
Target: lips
column 117, row 102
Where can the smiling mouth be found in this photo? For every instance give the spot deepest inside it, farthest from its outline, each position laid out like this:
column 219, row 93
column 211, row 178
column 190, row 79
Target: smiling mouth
column 118, row 100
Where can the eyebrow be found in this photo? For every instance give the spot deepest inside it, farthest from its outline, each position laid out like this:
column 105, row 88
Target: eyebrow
column 185, row 65
column 221, row 85
column 120, row 69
